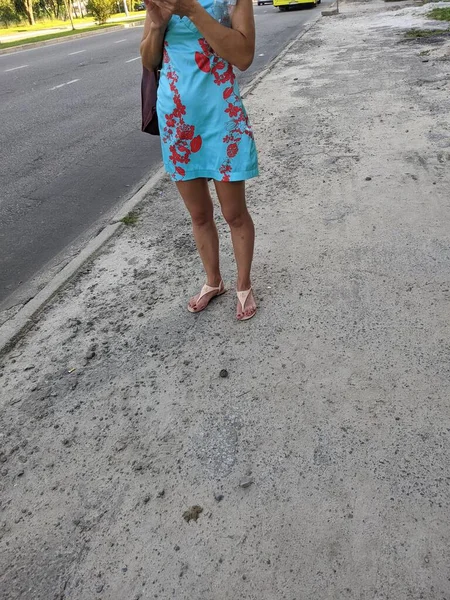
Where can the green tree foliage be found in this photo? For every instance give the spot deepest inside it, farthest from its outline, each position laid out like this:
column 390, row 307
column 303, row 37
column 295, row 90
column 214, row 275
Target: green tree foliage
column 8, row 14
column 25, row 8
column 101, row 9
column 55, row 9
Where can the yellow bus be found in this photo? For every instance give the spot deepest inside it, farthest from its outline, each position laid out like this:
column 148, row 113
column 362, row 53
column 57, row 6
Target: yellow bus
column 284, row 5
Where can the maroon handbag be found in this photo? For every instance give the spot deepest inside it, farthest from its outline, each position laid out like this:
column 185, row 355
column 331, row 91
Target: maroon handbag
column 149, row 92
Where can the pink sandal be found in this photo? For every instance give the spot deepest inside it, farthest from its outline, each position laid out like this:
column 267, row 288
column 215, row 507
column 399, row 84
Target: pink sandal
column 207, row 289
column 242, row 297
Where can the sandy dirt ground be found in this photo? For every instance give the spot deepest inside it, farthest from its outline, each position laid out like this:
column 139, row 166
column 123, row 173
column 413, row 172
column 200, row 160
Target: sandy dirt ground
column 319, row 460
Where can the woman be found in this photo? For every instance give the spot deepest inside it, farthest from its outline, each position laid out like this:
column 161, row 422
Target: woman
column 205, row 132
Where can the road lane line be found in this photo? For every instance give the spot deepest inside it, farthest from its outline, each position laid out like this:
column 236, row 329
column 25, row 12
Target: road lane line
column 63, row 84
column 119, row 41
column 77, row 52
column 132, row 59
column 15, row 68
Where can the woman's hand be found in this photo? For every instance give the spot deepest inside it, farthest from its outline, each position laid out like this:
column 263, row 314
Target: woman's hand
column 235, row 44
column 182, row 8
column 155, row 26
column 159, row 15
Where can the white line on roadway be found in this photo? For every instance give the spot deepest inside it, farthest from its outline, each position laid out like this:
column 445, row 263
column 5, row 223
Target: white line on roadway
column 118, row 41
column 77, row 52
column 63, row 84
column 132, row 59
column 15, row 68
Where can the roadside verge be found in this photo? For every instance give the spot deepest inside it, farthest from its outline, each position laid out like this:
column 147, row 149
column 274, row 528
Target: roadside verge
column 25, row 318
column 68, row 38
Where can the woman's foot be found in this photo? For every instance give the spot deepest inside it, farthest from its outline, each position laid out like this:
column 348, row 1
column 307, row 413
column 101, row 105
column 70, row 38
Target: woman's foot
column 246, row 305
column 200, row 301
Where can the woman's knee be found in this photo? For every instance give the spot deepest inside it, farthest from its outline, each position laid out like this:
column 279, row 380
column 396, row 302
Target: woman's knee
column 235, row 217
column 197, row 199
column 201, row 218
column 232, row 201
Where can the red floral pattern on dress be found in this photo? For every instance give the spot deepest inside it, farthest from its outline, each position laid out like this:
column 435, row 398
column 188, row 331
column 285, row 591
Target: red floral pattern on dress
column 177, row 133
column 208, row 62
column 238, row 127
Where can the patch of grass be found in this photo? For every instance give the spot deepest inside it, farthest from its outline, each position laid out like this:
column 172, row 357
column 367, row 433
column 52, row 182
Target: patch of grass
column 135, row 13
column 413, row 34
column 440, row 14
column 425, row 53
column 130, row 219
column 125, row 21
column 53, row 36
column 59, row 24
column 56, row 24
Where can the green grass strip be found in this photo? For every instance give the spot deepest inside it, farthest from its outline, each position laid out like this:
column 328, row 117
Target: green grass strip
column 440, row 14
column 53, row 36
column 425, row 33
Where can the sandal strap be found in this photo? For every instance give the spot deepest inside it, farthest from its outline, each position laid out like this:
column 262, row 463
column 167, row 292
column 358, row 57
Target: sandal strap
column 207, row 289
column 242, row 297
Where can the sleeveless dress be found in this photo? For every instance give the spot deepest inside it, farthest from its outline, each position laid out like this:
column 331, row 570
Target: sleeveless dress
column 204, row 128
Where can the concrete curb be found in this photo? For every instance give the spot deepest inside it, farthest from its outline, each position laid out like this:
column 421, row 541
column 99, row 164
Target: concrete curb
column 68, row 38
column 13, row 329
column 330, row 12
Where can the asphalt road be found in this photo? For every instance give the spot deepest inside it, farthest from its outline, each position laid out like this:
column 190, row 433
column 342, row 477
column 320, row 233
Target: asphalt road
column 71, row 149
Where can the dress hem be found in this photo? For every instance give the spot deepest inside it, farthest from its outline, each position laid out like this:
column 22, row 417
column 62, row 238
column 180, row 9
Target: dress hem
column 214, row 174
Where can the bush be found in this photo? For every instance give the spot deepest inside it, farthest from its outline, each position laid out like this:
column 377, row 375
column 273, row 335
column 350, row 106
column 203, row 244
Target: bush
column 101, row 9
column 8, row 15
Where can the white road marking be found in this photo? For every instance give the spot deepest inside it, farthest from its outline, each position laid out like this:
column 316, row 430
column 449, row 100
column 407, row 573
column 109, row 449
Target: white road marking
column 77, row 52
column 132, row 59
column 15, row 68
column 118, row 41
column 260, row 54
column 63, row 84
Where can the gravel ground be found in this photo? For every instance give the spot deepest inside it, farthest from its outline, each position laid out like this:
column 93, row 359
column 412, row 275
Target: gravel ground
column 150, row 453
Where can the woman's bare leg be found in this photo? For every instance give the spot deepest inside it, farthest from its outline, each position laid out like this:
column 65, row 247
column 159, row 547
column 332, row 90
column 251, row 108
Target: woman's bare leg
column 234, row 209
column 198, row 201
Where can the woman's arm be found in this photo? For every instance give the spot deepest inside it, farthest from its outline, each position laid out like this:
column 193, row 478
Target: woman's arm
column 236, row 44
column 155, row 26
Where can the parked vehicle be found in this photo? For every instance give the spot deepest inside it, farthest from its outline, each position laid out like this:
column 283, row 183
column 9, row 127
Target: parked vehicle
column 284, row 5
column 261, row 2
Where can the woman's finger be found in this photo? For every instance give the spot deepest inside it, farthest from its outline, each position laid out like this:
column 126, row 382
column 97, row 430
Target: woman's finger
column 166, row 4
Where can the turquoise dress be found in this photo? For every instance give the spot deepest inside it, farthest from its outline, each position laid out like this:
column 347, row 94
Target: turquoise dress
column 205, row 131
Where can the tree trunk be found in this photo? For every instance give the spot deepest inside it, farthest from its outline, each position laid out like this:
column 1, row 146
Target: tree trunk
column 125, row 8
column 29, row 11
column 68, row 7
column 71, row 13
